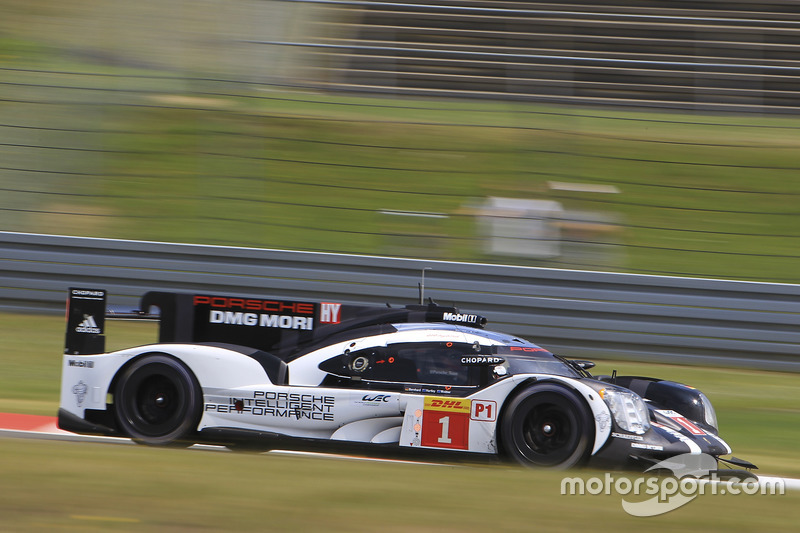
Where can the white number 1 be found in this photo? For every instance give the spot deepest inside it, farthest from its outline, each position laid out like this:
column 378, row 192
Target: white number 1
column 445, row 422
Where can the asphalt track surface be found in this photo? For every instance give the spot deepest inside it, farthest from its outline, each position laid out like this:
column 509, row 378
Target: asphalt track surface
column 44, row 427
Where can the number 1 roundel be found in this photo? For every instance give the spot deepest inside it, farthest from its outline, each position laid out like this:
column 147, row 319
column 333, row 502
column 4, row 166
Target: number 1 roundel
column 445, row 423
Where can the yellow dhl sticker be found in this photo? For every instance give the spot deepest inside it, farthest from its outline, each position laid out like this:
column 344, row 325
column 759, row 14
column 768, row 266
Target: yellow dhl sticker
column 456, row 405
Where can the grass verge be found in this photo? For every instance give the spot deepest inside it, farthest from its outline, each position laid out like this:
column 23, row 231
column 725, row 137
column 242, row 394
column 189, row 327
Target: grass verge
column 98, row 487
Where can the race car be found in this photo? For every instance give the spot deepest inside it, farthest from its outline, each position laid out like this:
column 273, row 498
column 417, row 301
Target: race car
column 268, row 372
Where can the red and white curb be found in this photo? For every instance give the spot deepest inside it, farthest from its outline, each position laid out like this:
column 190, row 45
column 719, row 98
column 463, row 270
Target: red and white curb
column 46, row 427
column 32, row 423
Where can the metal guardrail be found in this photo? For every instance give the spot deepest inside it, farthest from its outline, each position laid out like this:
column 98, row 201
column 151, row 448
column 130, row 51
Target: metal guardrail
column 576, row 313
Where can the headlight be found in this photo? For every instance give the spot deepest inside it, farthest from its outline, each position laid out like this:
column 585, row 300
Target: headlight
column 628, row 409
column 708, row 411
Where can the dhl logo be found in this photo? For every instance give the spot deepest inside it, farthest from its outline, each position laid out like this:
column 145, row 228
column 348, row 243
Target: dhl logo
column 458, row 405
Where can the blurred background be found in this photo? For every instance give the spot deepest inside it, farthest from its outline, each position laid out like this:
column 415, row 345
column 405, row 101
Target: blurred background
column 647, row 137
column 653, row 137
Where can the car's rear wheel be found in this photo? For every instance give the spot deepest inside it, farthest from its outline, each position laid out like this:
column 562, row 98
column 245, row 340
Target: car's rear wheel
column 547, row 426
column 158, row 401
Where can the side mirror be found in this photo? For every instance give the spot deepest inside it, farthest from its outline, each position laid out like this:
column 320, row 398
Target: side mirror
column 586, row 365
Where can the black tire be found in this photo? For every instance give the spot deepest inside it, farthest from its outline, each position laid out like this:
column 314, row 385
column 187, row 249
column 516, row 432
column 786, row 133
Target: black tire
column 547, row 426
column 158, row 401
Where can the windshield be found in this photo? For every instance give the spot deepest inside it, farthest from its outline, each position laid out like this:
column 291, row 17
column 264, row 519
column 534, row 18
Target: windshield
column 520, row 364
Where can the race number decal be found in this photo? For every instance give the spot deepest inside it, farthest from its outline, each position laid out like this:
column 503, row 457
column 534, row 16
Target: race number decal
column 445, row 423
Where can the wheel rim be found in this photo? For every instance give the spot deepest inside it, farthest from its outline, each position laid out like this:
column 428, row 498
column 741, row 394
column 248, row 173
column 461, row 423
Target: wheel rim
column 155, row 400
column 547, row 426
column 549, row 434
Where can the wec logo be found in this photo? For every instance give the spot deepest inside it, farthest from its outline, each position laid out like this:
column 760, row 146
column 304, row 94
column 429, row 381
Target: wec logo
column 377, row 398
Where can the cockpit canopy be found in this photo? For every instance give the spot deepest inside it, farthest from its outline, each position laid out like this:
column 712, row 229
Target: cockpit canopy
column 447, row 363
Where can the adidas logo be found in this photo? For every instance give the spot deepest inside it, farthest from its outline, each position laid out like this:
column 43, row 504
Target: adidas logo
column 88, row 325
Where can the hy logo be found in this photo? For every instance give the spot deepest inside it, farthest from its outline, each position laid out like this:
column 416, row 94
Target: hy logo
column 682, row 466
column 330, row 313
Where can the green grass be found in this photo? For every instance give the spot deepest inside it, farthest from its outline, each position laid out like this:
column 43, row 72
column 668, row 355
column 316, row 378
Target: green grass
column 32, row 355
column 106, row 487
column 103, row 487
column 141, row 154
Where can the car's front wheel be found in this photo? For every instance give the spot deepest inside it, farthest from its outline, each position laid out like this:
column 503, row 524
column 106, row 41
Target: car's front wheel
column 548, row 426
column 158, row 401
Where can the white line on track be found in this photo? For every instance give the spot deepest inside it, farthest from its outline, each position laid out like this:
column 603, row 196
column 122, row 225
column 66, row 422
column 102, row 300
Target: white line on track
column 789, row 483
column 768, row 481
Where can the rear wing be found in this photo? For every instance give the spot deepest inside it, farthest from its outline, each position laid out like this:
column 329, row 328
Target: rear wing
column 86, row 321
column 269, row 324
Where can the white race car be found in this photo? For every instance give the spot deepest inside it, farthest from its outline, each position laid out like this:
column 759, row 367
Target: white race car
column 264, row 372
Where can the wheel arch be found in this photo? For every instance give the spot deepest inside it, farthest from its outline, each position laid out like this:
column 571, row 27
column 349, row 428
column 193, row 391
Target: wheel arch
column 113, row 384
column 601, row 421
column 521, row 387
column 190, row 401
column 213, row 365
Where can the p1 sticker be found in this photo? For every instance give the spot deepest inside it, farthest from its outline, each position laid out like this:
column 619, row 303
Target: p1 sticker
column 484, row 410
